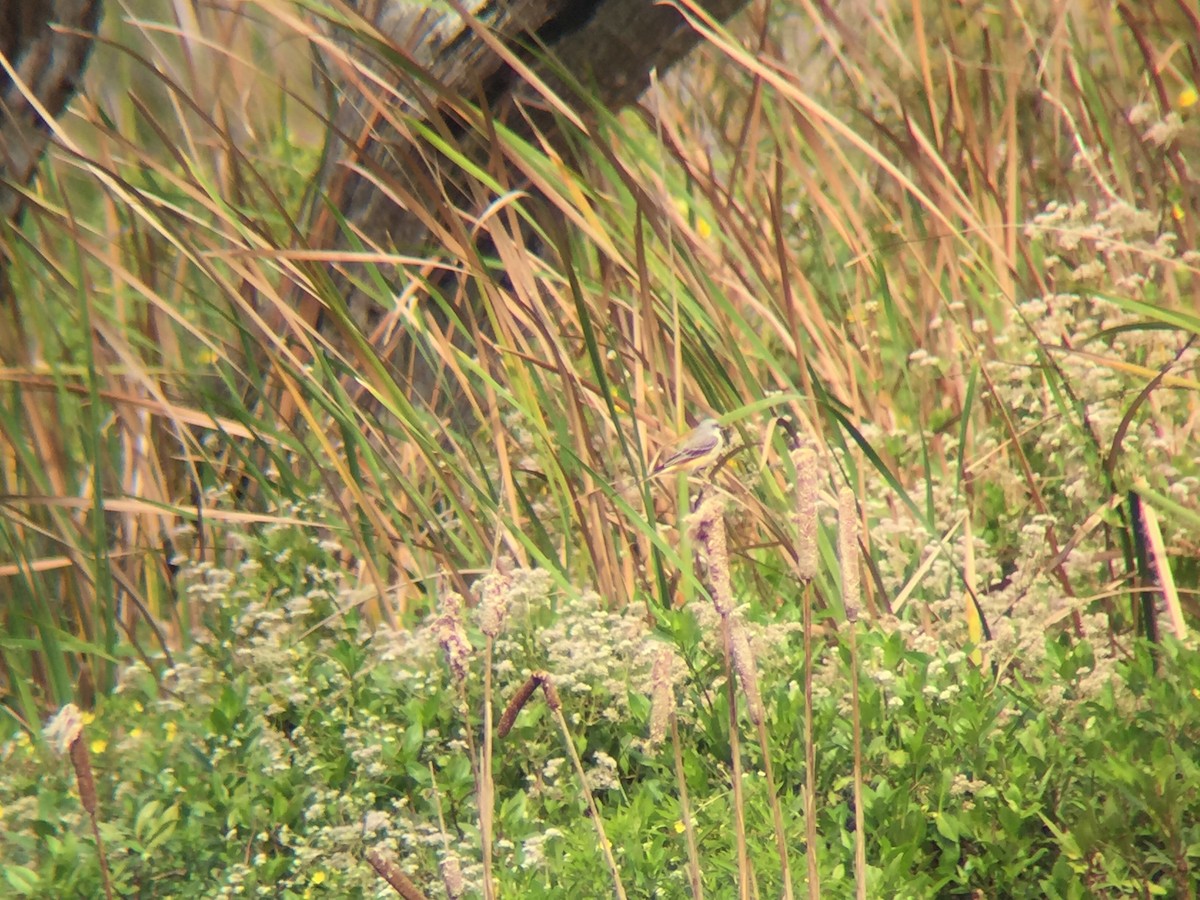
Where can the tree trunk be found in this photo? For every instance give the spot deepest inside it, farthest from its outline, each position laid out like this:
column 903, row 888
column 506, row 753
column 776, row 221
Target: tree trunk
column 609, row 47
column 47, row 43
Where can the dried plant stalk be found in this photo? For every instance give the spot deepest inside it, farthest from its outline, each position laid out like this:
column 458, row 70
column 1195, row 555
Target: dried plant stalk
column 851, row 594
column 65, row 733
column 735, row 759
column 546, row 682
column 689, row 826
column 390, row 872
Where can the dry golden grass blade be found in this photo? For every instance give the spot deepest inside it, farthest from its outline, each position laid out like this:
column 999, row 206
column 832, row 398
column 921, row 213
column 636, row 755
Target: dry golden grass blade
column 940, row 547
column 33, row 380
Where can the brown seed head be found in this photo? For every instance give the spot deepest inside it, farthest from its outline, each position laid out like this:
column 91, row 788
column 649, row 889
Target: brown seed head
column 806, row 509
column 742, row 659
column 552, row 699
column 495, row 596
column 848, row 553
column 452, row 878
column 452, row 637
column 509, row 717
column 708, row 527
column 662, row 695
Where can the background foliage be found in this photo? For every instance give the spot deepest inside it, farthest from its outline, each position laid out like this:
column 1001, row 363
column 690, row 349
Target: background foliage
column 952, row 248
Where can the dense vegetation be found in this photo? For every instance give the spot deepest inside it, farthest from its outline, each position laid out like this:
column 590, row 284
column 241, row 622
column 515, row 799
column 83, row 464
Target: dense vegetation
column 925, row 630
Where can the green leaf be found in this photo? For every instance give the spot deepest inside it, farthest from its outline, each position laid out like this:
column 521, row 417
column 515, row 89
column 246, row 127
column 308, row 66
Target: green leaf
column 23, row 880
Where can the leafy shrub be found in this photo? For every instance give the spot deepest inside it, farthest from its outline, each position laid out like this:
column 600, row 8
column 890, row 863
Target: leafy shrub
column 272, row 757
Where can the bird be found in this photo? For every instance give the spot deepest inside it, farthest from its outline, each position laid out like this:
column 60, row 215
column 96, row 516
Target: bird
column 702, row 446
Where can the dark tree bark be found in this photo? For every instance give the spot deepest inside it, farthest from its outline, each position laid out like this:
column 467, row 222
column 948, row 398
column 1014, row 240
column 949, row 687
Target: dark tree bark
column 608, row 47
column 47, row 43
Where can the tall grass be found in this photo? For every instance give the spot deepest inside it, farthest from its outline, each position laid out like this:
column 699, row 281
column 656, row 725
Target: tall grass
column 954, row 248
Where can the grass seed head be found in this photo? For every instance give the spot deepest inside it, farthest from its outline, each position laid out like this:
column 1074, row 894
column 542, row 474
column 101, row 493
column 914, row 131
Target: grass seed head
column 453, row 637
column 662, row 695
column 806, row 508
column 848, row 553
column 743, row 664
column 708, row 527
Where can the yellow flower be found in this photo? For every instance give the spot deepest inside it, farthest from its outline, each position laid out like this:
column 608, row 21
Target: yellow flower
column 1188, row 97
column 98, row 746
column 703, row 229
column 679, row 826
column 318, row 878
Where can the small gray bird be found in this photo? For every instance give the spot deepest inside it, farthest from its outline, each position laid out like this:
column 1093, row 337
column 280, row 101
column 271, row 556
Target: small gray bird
column 703, row 445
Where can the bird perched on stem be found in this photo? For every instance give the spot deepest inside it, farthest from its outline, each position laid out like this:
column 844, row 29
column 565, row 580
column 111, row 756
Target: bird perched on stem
column 703, row 446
